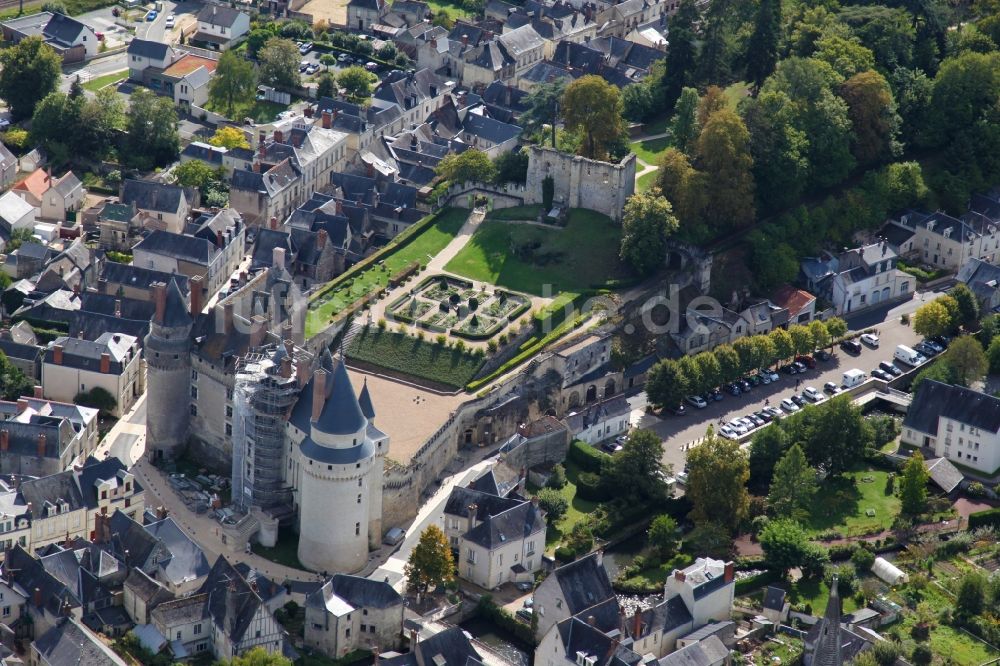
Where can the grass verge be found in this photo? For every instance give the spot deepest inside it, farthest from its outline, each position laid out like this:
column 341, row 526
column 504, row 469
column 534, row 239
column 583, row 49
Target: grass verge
column 261, row 111
column 843, row 505
column 649, row 151
column 94, row 85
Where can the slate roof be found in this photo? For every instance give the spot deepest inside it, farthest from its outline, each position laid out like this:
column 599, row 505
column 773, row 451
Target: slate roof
column 13, row 208
column 28, row 574
column 147, row 48
column 232, row 615
column 774, row 598
column 703, row 653
column 140, row 278
column 69, row 643
column 348, row 593
column 51, row 490
column 450, row 647
column 487, row 128
column 145, row 588
column 129, row 535
column 487, row 503
column 579, row 637
column 935, row 399
column 86, row 354
column 584, row 583
column 187, row 561
column 341, row 414
column 218, row 15
column 94, row 471
column 156, row 197
column 63, row 30
column 179, row 246
column 365, row 402
column 516, row 523
column 944, row 474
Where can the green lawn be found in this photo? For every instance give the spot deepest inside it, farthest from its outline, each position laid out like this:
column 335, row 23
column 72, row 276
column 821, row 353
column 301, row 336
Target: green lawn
column 646, row 181
column 650, row 150
column 454, row 10
column 656, row 126
column 285, row 552
column 578, row 511
column 841, row 505
column 94, row 85
column 736, row 92
column 260, row 111
column 411, row 356
column 815, row 593
column 349, row 288
column 523, row 257
column 653, row 577
column 516, row 213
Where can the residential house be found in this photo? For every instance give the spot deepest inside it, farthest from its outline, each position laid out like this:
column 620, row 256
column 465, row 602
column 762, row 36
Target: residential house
column 48, row 600
column 859, row 278
column 74, row 268
column 943, row 241
column 118, row 223
column 524, row 46
column 956, row 423
column 591, row 640
column 70, row 642
column 94, row 578
column 72, row 40
column 82, row 419
column 34, row 159
column 164, row 207
column 141, row 594
column 350, row 613
column 8, row 167
column 186, row 567
column 260, row 195
column 220, row 27
column 800, row 304
column 15, row 213
column 776, row 605
column 186, row 80
column 135, row 282
column 219, row 157
column 210, row 249
column 391, row 206
column 709, row 651
column 451, row 647
column 491, row 136
column 160, row 550
column 55, row 198
column 600, row 421
column 570, row 590
column 26, row 358
column 27, row 261
column 148, row 56
column 111, row 362
column 497, row 538
column 363, row 14
column 984, row 280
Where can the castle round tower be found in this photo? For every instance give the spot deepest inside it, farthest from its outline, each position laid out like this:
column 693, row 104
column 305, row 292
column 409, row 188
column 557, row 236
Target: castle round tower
column 167, row 350
column 340, row 462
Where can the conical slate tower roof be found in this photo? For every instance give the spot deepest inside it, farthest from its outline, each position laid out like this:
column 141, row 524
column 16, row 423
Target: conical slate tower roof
column 365, row 400
column 176, row 313
column 341, row 415
column 828, row 645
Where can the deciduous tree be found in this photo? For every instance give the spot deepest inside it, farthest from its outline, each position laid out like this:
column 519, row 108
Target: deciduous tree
column 357, row 83
column 684, row 127
column 838, row 436
column 968, row 305
column 234, row 82
column 820, row 334
column 229, row 137
column 592, row 107
column 471, row 165
column 802, row 339
column 913, row 485
column 29, row 71
column 793, row 485
column 647, row 222
column 152, row 130
column 667, row 385
column 846, row 55
column 258, row 656
column 872, row 110
column 967, row 359
column 662, row 535
column 717, row 477
column 723, row 158
column 932, row 319
column 278, row 63
column 786, row 545
column 13, row 383
column 553, row 504
column 784, row 347
column 636, row 470
column 779, row 149
column 431, row 563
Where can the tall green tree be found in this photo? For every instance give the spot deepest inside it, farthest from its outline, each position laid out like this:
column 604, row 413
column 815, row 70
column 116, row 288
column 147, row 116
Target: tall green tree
column 667, row 385
column 662, row 535
column 762, row 49
column 357, row 83
column 431, row 563
column 729, row 362
column 234, row 82
column 637, row 471
column 838, row 436
column 13, row 383
column 967, row 360
column 684, row 127
column 968, row 305
column 847, row 56
column 592, row 108
column 717, row 476
column 780, row 150
column 872, row 110
column 767, row 447
column 472, row 165
column 932, row 319
column 647, row 222
column 725, row 165
column 793, row 485
column 786, row 545
column 543, row 108
column 682, row 54
column 714, row 58
column 278, row 62
column 784, row 347
column 152, row 130
column 913, row 486
column 802, row 339
column 29, row 71
column 820, row 334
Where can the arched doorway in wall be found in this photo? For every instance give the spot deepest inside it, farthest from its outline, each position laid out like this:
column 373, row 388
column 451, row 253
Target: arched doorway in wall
column 609, row 388
column 574, row 400
column 591, row 393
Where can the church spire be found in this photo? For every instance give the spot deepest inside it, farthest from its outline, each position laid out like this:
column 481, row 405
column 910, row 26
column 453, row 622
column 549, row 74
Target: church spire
column 828, row 644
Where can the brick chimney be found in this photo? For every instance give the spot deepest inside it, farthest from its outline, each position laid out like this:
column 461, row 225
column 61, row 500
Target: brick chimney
column 36, row 597
column 219, row 239
column 41, row 445
column 76, row 289
column 4, row 440
column 274, row 223
column 730, row 572
column 118, row 308
column 161, row 512
column 160, row 298
column 257, row 330
column 278, row 257
column 319, row 393
column 327, row 120
column 37, row 392
column 227, row 318
column 197, row 297
column 57, row 354
column 321, row 237
column 256, row 167
column 679, row 576
column 286, row 367
column 105, row 363
column 279, row 136
column 340, row 207
column 308, row 112
column 636, row 625
column 302, row 373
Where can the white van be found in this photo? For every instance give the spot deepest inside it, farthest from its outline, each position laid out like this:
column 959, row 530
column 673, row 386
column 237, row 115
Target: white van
column 852, row 378
column 908, row 355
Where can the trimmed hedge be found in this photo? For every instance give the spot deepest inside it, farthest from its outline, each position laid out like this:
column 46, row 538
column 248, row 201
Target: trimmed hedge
column 587, row 457
column 590, row 486
column 989, row 517
column 745, row 585
column 523, row 633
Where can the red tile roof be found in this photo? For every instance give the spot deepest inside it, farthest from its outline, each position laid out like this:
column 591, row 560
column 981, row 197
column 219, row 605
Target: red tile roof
column 38, row 183
column 792, row 299
column 188, row 64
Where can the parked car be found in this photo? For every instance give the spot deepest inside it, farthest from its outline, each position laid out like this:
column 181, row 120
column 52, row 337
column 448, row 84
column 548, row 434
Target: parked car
column 765, row 378
column 151, row 16
column 679, row 410
column 757, row 421
column 745, row 386
column 171, row 20
column 772, row 375
column 930, row 342
column 525, row 614
column 305, row 48
column 394, row 536
column 371, row 66
column 879, row 373
column 728, row 432
column 773, row 411
column 870, row 339
column 612, row 446
column 4, row 123
column 789, row 406
column 764, row 416
column 798, row 400
column 806, row 360
column 851, row 346
column 924, row 350
column 738, row 427
column 304, row 65
column 823, row 355
column 790, row 369
column 754, row 379
column 812, row 394
column 942, row 340
column 800, row 367
column 831, row 388
column 890, row 368
column 697, row 401
column 343, row 57
column 733, row 389
column 717, row 395
column 312, row 69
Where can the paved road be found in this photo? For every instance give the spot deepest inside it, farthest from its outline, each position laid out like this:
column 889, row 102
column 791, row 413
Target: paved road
column 678, row 431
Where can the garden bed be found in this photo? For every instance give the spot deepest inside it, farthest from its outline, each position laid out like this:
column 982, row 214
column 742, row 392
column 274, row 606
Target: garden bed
column 408, row 356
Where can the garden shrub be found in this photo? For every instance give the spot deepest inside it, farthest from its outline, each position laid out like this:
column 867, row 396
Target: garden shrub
column 590, row 487
column 586, row 457
column 983, row 518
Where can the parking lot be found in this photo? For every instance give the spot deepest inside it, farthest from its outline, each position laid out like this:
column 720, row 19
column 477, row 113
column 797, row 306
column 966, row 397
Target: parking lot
column 679, row 431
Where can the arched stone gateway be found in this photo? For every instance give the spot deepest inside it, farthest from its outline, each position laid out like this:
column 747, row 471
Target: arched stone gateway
column 609, row 388
column 574, row 399
column 591, row 393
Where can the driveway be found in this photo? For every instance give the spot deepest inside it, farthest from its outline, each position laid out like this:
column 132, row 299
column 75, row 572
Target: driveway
column 678, row 432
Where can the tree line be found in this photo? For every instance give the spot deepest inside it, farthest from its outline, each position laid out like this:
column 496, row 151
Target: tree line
column 670, row 380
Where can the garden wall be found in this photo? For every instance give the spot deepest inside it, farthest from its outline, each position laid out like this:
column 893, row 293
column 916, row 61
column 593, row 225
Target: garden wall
column 464, row 195
column 546, row 449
